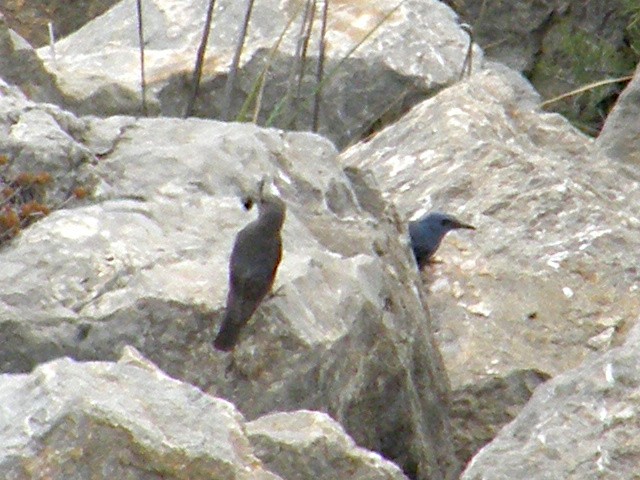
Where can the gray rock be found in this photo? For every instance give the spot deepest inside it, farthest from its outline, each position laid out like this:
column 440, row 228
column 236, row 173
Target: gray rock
column 561, row 46
column 581, row 424
column 548, row 268
column 511, row 32
column 42, row 138
column 69, row 420
column 411, row 55
column 479, row 410
column 20, row 66
column 304, row 445
column 31, row 19
column 145, row 262
column 620, row 136
column 534, row 234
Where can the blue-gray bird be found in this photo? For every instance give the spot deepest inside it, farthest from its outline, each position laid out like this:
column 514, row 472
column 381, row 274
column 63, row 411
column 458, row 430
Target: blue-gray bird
column 255, row 258
column 427, row 232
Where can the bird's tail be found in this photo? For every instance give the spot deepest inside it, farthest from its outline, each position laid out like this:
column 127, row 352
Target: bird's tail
column 229, row 332
column 235, row 318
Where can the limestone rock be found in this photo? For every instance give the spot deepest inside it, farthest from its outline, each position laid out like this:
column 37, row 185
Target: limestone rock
column 98, row 66
column 548, row 268
column 70, row 420
column 581, row 424
column 20, row 66
column 555, row 225
column 42, row 138
column 306, row 444
column 30, row 19
column 620, row 136
column 144, row 263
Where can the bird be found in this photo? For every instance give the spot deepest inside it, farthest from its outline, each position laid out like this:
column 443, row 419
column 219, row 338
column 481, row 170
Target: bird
column 427, row 232
column 255, row 257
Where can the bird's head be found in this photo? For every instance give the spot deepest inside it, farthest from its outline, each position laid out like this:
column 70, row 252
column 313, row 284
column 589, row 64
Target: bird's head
column 443, row 222
column 429, row 230
column 271, row 208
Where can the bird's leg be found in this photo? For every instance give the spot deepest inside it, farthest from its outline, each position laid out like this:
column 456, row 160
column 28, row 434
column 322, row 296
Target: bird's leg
column 231, row 366
column 277, row 293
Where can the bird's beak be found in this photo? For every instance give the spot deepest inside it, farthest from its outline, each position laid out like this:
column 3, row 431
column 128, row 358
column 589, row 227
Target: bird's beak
column 459, row 224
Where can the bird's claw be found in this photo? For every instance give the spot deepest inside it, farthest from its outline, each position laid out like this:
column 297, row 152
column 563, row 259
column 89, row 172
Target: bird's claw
column 278, row 292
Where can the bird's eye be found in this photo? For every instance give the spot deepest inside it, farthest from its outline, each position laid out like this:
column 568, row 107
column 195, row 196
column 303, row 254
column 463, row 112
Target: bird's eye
column 247, row 202
column 445, row 222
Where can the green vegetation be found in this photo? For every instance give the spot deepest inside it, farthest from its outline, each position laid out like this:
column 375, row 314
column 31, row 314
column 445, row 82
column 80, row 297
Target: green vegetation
column 632, row 31
column 574, row 57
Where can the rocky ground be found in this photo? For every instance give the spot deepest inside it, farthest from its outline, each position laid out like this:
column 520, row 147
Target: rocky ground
column 511, row 356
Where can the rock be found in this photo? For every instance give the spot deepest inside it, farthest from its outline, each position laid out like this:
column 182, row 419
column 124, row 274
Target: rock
column 533, row 258
column 144, row 262
column 575, row 39
column 479, row 410
column 511, row 33
column 581, row 424
column 41, row 138
column 620, row 136
column 71, row 419
column 555, row 224
column 306, row 444
column 31, row 19
column 544, row 282
column 561, row 46
column 128, row 419
column 20, row 66
column 98, row 66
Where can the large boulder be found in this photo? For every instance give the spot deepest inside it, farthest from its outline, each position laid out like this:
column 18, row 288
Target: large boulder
column 554, row 226
column 306, row 444
column 547, row 278
column 381, row 58
column 20, row 66
column 145, row 263
column 69, row 420
column 582, row 424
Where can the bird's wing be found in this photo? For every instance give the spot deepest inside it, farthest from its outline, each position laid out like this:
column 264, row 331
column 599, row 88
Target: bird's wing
column 253, row 265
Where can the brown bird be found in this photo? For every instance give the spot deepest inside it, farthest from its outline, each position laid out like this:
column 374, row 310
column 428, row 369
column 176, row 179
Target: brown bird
column 255, row 258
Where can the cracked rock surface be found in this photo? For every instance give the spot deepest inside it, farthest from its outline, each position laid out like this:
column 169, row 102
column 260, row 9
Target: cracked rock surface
column 144, row 260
